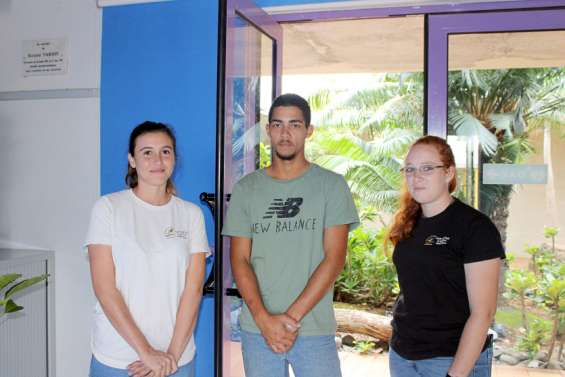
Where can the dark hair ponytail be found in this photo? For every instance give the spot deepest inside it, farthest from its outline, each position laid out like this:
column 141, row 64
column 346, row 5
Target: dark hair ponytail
column 144, row 128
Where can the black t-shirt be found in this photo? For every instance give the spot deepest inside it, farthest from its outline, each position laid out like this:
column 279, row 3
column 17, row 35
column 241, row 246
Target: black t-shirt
column 432, row 308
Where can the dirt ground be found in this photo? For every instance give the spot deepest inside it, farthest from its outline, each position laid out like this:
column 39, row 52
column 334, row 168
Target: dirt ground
column 355, row 365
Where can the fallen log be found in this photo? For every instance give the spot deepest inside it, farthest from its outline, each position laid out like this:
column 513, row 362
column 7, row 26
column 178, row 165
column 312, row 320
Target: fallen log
column 361, row 322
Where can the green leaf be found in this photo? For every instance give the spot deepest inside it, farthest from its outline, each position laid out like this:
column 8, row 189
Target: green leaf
column 520, row 282
column 550, row 231
column 466, row 124
column 533, row 250
column 24, row 284
column 7, row 279
column 12, row 307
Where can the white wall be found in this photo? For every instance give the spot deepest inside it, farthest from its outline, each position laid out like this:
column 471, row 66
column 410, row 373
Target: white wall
column 49, row 157
column 537, row 202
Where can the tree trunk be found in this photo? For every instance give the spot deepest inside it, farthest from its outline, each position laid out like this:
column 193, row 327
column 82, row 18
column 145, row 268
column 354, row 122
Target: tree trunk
column 500, row 213
column 561, row 337
column 361, row 322
column 523, row 310
column 494, row 200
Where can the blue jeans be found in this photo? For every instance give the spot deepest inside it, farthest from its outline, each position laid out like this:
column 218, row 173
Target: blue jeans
column 436, row 366
column 97, row 369
column 310, row 356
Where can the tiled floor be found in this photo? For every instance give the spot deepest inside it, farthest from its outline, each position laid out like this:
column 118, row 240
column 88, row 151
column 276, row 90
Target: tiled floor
column 355, row 365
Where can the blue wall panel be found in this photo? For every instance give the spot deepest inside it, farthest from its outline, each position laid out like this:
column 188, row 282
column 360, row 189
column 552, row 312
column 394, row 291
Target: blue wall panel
column 159, row 63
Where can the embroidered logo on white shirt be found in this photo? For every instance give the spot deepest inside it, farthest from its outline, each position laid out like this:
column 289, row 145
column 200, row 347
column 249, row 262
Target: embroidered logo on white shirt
column 170, row 232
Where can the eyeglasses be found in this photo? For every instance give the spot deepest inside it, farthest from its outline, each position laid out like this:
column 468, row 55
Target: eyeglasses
column 423, row 169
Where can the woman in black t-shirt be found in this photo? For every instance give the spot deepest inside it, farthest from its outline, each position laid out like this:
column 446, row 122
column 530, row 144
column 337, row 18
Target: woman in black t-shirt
column 448, row 258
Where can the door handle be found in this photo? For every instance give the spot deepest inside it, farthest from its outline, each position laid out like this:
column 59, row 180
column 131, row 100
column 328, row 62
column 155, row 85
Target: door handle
column 233, row 292
column 210, row 290
column 209, row 287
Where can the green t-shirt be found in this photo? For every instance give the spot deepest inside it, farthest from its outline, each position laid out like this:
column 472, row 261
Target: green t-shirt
column 286, row 220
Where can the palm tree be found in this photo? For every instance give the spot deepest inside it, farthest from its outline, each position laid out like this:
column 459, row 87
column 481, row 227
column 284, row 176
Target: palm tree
column 502, row 108
column 363, row 134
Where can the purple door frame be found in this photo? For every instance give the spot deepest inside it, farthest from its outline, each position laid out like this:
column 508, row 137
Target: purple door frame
column 267, row 24
column 453, row 7
column 236, row 10
column 445, row 19
column 439, row 29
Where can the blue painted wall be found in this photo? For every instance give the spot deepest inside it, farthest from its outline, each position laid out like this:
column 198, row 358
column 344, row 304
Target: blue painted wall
column 159, row 63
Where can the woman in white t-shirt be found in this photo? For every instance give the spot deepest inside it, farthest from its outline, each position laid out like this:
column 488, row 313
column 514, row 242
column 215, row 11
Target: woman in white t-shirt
column 147, row 251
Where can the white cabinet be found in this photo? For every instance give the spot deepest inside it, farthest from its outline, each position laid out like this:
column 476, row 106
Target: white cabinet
column 27, row 338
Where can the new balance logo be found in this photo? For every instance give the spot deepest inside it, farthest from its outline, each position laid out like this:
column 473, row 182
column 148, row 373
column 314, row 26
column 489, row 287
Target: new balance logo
column 283, row 209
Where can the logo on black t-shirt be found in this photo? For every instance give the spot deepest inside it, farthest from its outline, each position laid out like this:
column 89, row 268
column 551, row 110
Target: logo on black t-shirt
column 434, row 240
column 283, row 210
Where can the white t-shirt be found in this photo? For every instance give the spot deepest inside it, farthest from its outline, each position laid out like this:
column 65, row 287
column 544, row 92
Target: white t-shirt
column 151, row 248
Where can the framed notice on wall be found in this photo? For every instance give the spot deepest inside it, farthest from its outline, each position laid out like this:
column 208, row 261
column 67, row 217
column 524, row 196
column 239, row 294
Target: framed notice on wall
column 44, row 57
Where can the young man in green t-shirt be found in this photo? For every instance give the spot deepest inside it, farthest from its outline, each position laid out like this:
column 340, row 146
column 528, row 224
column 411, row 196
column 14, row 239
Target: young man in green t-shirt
column 288, row 225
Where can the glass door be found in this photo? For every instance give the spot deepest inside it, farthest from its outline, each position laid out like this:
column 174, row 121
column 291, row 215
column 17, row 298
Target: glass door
column 498, row 94
column 252, row 80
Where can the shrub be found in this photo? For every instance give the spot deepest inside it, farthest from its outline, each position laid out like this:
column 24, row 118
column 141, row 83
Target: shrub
column 369, row 275
column 520, row 283
column 533, row 338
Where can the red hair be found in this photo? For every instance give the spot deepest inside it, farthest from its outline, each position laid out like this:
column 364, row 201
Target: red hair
column 410, row 210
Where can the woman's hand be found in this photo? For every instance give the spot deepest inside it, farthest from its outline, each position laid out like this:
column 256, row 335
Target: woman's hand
column 138, row 369
column 153, row 363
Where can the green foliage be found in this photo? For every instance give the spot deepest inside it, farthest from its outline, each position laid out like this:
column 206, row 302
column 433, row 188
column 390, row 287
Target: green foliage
column 552, row 296
column 364, row 346
column 264, row 155
column 544, row 259
column 546, row 288
column 535, row 252
column 369, row 275
column 533, row 338
column 12, row 286
column 520, row 283
column 364, row 135
column 501, row 108
column 512, row 318
column 550, row 231
column 372, row 168
column 551, row 291
column 7, row 279
column 503, row 101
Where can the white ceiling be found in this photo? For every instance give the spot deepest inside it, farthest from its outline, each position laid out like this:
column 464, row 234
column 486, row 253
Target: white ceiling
column 396, row 44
